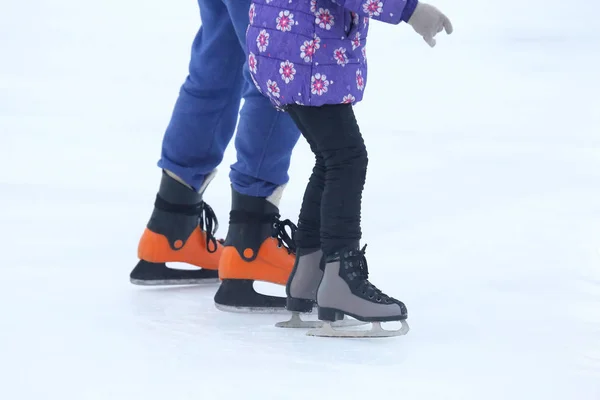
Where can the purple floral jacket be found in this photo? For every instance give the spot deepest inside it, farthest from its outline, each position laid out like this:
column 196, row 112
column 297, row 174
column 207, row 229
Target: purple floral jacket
column 312, row 52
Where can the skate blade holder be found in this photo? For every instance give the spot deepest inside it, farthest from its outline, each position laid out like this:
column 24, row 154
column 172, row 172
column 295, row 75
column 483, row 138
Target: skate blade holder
column 296, row 322
column 148, row 273
column 376, row 331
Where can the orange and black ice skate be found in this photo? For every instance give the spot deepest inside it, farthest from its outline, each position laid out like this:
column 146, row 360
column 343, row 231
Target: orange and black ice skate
column 181, row 230
column 257, row 248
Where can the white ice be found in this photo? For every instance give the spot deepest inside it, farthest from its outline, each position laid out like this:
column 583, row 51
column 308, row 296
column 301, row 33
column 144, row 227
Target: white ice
column 481, row 212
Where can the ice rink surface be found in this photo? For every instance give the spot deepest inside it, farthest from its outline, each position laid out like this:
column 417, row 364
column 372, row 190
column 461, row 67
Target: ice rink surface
column 481, row 212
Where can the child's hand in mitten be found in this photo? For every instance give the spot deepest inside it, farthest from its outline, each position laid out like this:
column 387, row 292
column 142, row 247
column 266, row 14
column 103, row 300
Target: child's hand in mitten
column 428, row 21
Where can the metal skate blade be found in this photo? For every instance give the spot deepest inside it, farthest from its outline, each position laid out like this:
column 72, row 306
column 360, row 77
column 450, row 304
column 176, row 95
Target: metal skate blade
column 376, row 331
column 296, row 322
column 173, row 282
column 250, row 310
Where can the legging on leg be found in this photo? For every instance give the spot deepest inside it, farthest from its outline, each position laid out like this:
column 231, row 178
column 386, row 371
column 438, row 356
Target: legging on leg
column 337, row 140
column 308, row 234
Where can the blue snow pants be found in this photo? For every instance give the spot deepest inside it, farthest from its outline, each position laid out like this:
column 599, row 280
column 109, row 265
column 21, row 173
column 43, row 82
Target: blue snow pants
column 207, row 109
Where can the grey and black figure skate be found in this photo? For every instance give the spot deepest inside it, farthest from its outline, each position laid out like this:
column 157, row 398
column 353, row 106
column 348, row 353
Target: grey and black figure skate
column 346, row 290
column 301, row 291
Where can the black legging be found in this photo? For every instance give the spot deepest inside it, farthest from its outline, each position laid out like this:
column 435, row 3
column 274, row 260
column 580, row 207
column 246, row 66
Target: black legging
column 330, row 213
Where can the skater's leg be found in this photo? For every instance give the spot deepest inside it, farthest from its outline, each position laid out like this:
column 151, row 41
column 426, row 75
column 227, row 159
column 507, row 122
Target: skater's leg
column 345, row 288
column 301, row 288
column 265, row 137
column 334, row 131
column 264, row 143
column 309, row 221
column 206, row 111
column 181, row 228
column 257, row 247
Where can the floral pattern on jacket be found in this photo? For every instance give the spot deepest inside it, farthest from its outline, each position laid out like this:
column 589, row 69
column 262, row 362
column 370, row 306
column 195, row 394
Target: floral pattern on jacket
column 313, row 52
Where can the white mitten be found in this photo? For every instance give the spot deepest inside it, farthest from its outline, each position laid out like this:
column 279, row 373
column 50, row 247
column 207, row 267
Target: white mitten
column 428, row 21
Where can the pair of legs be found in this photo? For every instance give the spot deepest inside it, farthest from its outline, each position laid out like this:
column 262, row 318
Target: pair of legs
column 330, row 268
column 182, row 225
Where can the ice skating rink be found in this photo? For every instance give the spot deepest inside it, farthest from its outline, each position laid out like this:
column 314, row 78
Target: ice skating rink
column 481, row 212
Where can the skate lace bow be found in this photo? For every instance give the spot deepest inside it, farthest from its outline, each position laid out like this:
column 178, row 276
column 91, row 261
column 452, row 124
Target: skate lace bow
column 283, row 238
column 358, row 260
column 208, row 223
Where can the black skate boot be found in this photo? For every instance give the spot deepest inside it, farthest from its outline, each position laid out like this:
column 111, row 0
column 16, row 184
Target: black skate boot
column 346, row 290
column 257, row 248
column 181, row 229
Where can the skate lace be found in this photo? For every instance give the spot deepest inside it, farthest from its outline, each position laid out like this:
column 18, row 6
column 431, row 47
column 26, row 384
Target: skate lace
column 285, row 240
column 358, row 260
column 207, row 220
column 208, row 223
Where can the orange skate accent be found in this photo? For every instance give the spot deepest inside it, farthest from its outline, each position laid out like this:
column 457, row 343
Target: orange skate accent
column 273, row 264
column 155, row 248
